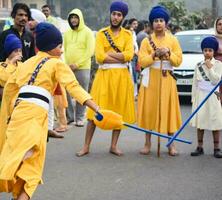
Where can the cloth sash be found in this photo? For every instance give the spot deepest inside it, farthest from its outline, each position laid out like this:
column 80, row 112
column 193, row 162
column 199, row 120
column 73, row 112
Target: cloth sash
column 112, row 66
column 36, row 95
column 205, row 85
column 156, row 65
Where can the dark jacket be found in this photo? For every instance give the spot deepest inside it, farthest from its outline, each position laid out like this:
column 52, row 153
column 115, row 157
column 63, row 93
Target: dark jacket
column 28, row 45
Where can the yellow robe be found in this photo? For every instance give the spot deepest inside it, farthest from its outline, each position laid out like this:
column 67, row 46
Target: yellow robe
column 113, row 88
column 158, row 105
column 6, row 71
column 28, row 126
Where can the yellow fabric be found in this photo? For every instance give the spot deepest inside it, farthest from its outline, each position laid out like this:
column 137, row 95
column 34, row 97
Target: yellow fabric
column 54, row 71
column 52, row 20
column 60, row 104
column 159, row 112
column 124, row 42
column 61, row 100
column 6, row 70
column 80, row 41
column 112, row 89
column 29, row 124
column 7, row 77
column 110, row 120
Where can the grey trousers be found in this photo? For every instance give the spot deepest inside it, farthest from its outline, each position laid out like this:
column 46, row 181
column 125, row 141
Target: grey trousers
column 83, row 77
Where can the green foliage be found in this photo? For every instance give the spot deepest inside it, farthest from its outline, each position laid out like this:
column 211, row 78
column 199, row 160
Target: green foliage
column 180, row 16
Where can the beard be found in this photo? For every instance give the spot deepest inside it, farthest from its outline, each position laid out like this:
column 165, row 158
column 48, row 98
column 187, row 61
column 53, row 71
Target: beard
column 115, row 26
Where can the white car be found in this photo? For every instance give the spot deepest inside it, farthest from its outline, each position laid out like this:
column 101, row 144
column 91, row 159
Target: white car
column 192, row 54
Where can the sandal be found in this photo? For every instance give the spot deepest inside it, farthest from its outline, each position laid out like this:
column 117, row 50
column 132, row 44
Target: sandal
column 79, row 124
column 61, row 129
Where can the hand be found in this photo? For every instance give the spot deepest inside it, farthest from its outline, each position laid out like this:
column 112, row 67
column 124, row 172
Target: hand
column 15, row 59
column 162, row 53
column 73, row 67
column 208, row 63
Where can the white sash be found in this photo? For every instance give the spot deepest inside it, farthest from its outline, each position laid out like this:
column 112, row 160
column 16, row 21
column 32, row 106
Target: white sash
column 113, row 65
column 205, row 85
column 36, row 90
column 156, row 65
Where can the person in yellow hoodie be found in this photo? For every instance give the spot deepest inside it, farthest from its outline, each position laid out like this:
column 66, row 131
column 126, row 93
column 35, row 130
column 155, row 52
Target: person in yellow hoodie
column 79, row 45
column 21, row 163
column 112, row 87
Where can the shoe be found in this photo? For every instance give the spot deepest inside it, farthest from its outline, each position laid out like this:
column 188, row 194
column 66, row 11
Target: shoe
column 217, row 153
column 199, row 151
column 70, row 121
column 54, row 134
column 79, row 124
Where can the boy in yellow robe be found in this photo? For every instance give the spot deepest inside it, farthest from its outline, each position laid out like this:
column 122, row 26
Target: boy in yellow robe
column 158, row 102
column 13, row 51
column 112, row 87
column 23, row 154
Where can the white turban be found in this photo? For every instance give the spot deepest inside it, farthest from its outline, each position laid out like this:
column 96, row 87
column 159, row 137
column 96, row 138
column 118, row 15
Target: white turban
column 37, row 15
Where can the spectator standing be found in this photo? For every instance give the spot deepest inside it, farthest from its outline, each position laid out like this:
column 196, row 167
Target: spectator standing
column 218, row 53
column 46, row 9
column 21, row 14
column 79, row 46
column 207, row 74
column 158, row 101
column 112, row 87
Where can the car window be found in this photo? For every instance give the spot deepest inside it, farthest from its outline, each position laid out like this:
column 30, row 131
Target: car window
column 191, row 43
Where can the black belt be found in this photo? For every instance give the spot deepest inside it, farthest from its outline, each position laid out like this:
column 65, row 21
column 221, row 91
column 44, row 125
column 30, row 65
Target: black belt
column 33, row 95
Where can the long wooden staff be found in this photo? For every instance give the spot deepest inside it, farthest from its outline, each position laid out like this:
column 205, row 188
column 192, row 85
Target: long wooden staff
column 160, row 88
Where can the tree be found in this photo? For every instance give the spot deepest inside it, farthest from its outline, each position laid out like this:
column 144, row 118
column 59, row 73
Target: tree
column 180, row 16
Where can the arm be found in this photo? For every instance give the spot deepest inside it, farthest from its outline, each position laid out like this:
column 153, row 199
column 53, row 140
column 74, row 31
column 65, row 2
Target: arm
column 194, row 86
column 175, row 54
column 146, row 54
column 119, row 57
column 65, row 76
column 100, row 49
column 215, row 73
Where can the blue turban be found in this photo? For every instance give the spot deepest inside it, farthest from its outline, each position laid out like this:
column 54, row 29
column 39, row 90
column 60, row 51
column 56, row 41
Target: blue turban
column 119, row 6
column 159, row 12
column 210, row 42
column 48, row 36
column 12, row 42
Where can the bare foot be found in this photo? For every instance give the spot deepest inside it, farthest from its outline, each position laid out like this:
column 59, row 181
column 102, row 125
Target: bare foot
column 82, row 152
column 172, row 151
column 145, row 150
column 116, row 151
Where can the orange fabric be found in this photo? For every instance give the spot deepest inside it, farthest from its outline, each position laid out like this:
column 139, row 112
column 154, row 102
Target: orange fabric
column 58, row 90
column 110, row 121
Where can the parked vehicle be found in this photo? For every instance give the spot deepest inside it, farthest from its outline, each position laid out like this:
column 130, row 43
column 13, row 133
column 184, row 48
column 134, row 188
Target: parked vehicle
column 190, row 43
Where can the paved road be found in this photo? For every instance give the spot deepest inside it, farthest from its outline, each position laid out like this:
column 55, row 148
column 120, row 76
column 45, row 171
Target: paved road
column 102, row 176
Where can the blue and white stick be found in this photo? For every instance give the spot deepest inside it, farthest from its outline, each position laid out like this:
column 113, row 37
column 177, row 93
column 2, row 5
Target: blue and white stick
column 99, row 117
column 191, row 116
